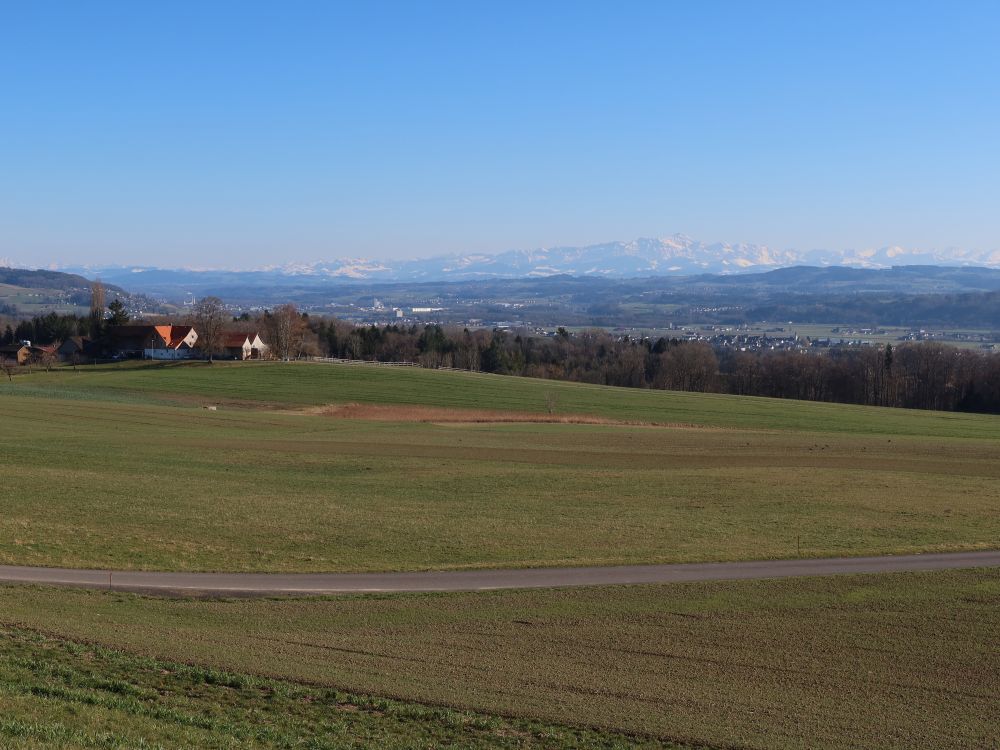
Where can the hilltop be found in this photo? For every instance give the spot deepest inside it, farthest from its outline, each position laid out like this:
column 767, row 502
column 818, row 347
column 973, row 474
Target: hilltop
column 31, row 292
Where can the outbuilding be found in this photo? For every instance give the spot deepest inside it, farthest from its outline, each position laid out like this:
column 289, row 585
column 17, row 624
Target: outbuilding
column 15, row 353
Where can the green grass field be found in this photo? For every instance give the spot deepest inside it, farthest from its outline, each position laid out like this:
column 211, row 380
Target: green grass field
column 124, row 470
column 38, row 301
column 120, row 466
column 875, row 661
column 305, row 384
column 61, row 694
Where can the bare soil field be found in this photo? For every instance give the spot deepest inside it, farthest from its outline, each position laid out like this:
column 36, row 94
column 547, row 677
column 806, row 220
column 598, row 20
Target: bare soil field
column 443, row 415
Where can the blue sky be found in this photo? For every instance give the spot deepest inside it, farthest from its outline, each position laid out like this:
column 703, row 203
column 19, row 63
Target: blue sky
column 242, row 133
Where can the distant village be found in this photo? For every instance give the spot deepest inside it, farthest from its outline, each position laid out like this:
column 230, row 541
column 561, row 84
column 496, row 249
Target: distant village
column 159, row 342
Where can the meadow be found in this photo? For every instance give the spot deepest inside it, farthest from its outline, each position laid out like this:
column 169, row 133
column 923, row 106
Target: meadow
column 122, row 468
column 309, row 467
column 62, row 694
column 276, row 384
column 875, row 661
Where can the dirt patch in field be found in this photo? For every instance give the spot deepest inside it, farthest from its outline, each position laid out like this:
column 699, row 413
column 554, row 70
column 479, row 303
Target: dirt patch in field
column 445, row 415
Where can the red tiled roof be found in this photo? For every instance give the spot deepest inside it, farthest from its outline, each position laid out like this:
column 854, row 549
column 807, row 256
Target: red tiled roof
column 171, row 335
column 176, row 335
column 234, row 340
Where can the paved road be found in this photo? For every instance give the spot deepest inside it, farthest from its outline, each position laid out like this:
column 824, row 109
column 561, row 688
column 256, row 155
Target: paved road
column 269, row 584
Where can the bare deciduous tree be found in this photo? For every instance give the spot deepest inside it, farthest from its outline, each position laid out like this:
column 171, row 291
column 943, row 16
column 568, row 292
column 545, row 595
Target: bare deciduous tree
column 48, row 356
column 96, row 308
column 689, row 367
column 209, row 323
column 286, row 330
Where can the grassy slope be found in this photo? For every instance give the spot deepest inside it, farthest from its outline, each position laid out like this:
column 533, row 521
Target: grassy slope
column 116, row 472
column 104, row 468
column 60, row 694
column 888, row 661
column 310, row 384
column 149, row 486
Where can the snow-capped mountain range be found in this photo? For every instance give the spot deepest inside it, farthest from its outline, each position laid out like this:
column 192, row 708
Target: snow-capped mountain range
column 677, row 255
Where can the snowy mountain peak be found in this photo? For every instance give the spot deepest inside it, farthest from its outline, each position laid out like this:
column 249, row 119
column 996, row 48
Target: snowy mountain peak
column 674, row 255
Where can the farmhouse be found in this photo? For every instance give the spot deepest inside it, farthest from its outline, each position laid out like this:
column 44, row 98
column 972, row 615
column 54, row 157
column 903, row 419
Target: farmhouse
column 167, row 342
column 237, row 346
column 25, row 352
column 39, row 351
column 178, row 343
column 15, row 353
column 259, row 349
column 153, row 342
column 76, row 346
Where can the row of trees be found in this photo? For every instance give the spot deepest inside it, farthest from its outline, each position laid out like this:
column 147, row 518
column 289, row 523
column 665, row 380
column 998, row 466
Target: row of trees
column 53, row 327
column 920, row 375
column 284, row 328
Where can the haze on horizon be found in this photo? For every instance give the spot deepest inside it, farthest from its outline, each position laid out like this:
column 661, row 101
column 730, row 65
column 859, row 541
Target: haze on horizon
column 237, row 134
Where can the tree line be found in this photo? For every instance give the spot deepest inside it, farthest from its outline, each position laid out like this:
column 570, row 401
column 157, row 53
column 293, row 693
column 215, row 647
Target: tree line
column 925, row 375
column 54, row 327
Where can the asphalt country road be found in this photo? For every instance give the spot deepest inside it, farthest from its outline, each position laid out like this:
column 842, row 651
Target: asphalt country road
column 275, row 584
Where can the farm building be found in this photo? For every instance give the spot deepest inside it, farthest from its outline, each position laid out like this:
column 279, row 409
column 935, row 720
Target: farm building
column 178, row 343
column 167, row 342
column 153, row 342
column 39, row 351
column 259, row 349
column 237, row 346
column 76, row 346
column 25, row 353
column 244, row 346
column 16, row 353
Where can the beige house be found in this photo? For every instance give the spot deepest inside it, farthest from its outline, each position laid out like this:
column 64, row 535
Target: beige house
column 259, row 348
column 14, row 354
column 237, row 346
column 244, row 346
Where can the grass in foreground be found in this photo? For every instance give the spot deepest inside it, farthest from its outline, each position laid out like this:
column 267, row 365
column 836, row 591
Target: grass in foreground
column 60, row 694
column 875, row 661
column 132, row 485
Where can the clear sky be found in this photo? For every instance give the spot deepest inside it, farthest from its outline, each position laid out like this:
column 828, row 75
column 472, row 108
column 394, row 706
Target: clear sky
column 241, row 133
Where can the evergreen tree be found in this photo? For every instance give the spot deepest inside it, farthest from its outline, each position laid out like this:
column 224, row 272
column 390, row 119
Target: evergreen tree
column 25, row 331
column 118, row 314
